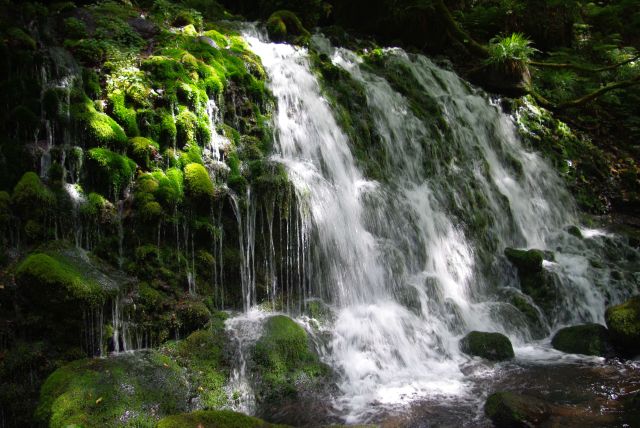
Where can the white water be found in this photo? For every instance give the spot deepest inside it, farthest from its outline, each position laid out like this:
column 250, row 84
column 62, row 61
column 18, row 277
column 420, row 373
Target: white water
column 380, row 245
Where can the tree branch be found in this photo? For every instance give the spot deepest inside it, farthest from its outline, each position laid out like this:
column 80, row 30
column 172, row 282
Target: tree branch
column 457, row 33
column 586, row 98
column 580, row 68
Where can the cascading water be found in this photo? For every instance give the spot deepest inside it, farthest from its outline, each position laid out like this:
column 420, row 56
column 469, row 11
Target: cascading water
column 411, row 262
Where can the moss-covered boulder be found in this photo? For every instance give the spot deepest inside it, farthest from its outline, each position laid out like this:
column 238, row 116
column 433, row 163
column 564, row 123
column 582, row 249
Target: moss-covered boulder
column 535, row 281
column 284, row 361
column 203, row 354
column 511, row 410
column 49, row 279
column 144, row 151
column 214, row 419
column 587, row 339
column 492, row 346
column 623, row 322
column 284, row 25
column 111, row 172
column 198, row 184
column 127, row 390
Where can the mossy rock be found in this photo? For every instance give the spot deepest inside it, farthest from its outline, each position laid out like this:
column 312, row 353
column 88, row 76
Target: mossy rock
column 99, row 128
column 284, row 360
column 110, row 172
column 130, row 390
column 587, row 339
column 31, row 197
column 192, row 315
column 492, row 346
column 510, row 410
column 197, row 182
column 214, row 419
column 526, row 261
column 623, row 322
column 144, row 151
column 50, row 279
column 284, row 25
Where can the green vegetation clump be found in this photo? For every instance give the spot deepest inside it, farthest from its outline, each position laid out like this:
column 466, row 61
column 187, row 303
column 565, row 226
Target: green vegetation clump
column 285, row 25
column 111, row 172
column 49, row 279
column 623, row 322
column 527, row 261
column 197, row 182
column 99, row 128
column 126, row 116
column 214, row 419
column 135, row 390
column 587, row 339
column 30, row 194
column 144, row 151
column 510, row 52
column 283, row 358
column 492, row 346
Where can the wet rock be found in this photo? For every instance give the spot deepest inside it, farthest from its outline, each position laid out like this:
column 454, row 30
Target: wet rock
column 575, row 231
column 623, row 322
column 507, row 409
column 144, row 27
column 492, row 346
column 535, row 281
column 587, row 339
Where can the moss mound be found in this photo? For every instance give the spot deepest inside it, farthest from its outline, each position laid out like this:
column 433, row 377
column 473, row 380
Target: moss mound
column 492, row 346
column 623, row 322
column 285, row 25
column 587, row 339
column 283, row 359
column 112, row 172
column 527, row 261
column 214, row 419
column 197, row 182
column 129, row 390
column 48, row 279
column 509, row 410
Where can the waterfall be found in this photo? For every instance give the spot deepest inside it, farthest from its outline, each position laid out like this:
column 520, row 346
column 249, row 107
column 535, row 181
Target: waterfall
column 412, row 261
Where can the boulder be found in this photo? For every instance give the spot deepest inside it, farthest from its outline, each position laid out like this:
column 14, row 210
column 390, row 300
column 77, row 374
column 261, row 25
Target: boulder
column 587, row 339
column 623, row 322
column 511, row 410
column 492, row 346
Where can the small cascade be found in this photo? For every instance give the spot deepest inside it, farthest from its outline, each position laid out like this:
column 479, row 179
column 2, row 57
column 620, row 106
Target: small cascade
column 246, row 218
column 77, row 199
column 93, row 331
column 244, row 330
column 218, row 265
column 217, row 142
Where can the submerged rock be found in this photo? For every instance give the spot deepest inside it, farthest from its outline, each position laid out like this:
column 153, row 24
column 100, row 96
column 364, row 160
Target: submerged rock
column 587, row 339
column 623, row 322
column 492, row 346
column 511, row 410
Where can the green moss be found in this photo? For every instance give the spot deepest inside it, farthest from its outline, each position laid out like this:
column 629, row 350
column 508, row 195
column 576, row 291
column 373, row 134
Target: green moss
column 21, row 39
column 144, row 151
column 99, row 128
column 171, row 187
column 125, row 116
column 507, row 410
column 623, row 322
column 283, row 357
column 75, row 28
column 213, row 419
column 587, row 339
column 192, row 315
column 98, row 209
column 112, row 172
column 168, row 131
column 218, row 38
column 492, row 346
column 42, row 276
column 198, row 184
column 284, row 24
column 89, row 52
column 186, row 127
column 526, row 261
column 112, row 391
column 31, row 196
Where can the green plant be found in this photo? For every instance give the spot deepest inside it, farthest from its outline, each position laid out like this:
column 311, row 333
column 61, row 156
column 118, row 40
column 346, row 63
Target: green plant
column 511, row 52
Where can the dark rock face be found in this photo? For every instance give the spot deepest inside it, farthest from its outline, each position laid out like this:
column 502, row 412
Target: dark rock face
column 623, row 322
column 144, row 27
column 492, row 346
column 587, row 339
column 510, row 410
column 535, row 281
